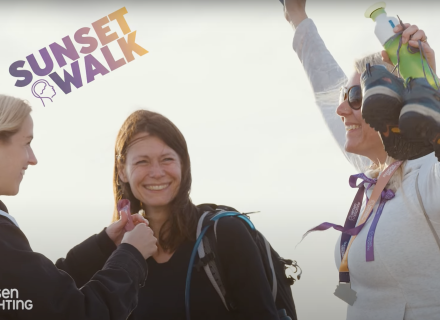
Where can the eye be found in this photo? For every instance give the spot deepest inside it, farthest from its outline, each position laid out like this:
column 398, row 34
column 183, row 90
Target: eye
column 141, row 162
column 168, row 159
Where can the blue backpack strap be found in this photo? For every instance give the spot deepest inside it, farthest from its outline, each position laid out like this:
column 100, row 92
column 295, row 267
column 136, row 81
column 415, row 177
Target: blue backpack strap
column 207, row 259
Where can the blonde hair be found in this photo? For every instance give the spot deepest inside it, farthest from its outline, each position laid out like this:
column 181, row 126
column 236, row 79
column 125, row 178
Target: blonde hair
column 373, row 59
column 13, row 112
column 374, row 170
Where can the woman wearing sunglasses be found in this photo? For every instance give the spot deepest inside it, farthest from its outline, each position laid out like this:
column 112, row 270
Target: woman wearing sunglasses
column 401, row 281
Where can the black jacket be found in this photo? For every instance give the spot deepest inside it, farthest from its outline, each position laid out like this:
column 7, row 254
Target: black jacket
column 111, row 293
column 163, row 296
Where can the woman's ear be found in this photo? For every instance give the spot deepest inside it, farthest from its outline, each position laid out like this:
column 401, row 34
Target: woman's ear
column 121, row 173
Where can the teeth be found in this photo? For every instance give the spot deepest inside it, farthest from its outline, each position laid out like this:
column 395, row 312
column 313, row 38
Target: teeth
column 352, row 127
column 160, row 187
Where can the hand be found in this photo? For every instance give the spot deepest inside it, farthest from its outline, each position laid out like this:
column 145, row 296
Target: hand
column 295, row 11
column 116, row 230
column 411, row 35
column 142, row 238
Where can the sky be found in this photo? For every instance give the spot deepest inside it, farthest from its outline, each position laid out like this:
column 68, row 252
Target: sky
column 226, row 74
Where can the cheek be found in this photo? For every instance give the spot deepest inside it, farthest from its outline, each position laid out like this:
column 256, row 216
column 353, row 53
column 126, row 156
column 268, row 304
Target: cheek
column 134, row 174
column 176, row 172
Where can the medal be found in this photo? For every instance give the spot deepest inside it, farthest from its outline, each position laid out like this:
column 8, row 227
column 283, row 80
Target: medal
column 351, row 229
column 346, row 293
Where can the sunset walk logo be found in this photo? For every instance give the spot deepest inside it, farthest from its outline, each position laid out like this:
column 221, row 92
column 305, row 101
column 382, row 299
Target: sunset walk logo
column 71, row 75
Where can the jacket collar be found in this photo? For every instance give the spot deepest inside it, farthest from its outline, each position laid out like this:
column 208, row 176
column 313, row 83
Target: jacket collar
column 3, row 207
column 4, row 212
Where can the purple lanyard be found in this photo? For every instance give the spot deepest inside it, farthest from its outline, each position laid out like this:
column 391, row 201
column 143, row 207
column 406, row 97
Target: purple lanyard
column 350, row 228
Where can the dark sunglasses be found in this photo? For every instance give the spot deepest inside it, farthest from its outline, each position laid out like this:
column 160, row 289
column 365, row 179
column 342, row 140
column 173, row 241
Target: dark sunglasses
column 353, row 95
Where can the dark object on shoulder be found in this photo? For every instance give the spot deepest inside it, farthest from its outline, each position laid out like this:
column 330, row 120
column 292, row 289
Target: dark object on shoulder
column 275, row 266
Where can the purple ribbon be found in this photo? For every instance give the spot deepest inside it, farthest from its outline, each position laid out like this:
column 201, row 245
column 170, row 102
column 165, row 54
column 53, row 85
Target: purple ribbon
column 385, row 196
column 350, row 229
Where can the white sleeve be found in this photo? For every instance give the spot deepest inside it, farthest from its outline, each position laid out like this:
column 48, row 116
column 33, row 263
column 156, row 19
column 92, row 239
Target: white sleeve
column 429, row 184
column 326, row 78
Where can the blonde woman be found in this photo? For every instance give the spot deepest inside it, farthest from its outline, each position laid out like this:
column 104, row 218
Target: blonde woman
column 402, row 281
column 32, row 287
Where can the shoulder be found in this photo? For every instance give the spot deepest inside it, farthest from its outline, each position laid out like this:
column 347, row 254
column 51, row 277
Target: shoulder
column 4, row 220
column 232, row 224
column 11, row 235
column 233, row 230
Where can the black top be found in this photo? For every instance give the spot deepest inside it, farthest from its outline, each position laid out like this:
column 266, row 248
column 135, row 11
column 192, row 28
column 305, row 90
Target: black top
column 163, row 297
column 111, row 294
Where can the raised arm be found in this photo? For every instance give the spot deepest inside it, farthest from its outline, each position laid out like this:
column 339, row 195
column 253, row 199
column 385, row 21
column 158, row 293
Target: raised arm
column 324, row 73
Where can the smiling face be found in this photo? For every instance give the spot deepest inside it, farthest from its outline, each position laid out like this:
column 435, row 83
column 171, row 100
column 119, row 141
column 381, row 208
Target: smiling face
column 153, row 171
column 15, row 156
column 360, row 137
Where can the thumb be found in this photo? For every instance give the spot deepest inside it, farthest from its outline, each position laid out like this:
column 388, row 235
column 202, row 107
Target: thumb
column 385, row 57
column 122, row 218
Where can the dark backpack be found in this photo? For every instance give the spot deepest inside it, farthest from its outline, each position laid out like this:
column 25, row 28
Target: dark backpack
column 274, row 265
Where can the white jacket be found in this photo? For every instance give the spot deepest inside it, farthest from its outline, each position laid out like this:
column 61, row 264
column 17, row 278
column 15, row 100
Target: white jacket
column 403, row 282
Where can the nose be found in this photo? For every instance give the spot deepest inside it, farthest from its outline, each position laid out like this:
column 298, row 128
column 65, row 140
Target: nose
column 32, row 158
column 344, row 109
column 156, row 171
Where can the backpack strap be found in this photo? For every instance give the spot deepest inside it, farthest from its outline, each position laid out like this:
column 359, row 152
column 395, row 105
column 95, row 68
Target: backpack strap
column 215, row 264
column 209, row 265
column 422, row 169
column 206, row 247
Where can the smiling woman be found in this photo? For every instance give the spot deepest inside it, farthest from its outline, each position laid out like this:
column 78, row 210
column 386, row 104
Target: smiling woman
column 35, row 277
column 152, row 169
column 15, row 139
column 369, row 259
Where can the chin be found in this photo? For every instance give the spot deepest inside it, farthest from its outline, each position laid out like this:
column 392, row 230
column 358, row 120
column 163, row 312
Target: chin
column 352, row 148
column 12, row 192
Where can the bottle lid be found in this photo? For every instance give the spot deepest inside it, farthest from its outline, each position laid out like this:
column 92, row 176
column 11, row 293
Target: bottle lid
column 374, row 7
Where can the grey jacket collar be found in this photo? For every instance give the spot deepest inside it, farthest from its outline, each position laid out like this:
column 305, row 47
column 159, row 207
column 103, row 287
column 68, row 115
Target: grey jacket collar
column 7, row 215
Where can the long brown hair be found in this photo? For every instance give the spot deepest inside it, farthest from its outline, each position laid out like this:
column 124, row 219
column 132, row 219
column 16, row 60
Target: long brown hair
column 181, row 225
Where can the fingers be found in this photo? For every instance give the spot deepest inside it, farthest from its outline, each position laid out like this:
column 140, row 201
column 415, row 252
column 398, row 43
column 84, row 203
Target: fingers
column 141, row 226
column 137, row 218
column 398, row 28
column 419, row 35
column 411, row 32
column 426, row 47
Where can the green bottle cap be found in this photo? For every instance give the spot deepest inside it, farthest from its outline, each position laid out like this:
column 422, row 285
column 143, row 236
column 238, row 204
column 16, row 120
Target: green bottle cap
column 374, row 10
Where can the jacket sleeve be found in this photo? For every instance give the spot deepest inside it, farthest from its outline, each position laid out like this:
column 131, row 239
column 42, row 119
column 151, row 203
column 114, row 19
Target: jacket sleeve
column 326, row 77
column 244, row 272
column 88, row 257
column 111, row 293
column 429, row 184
